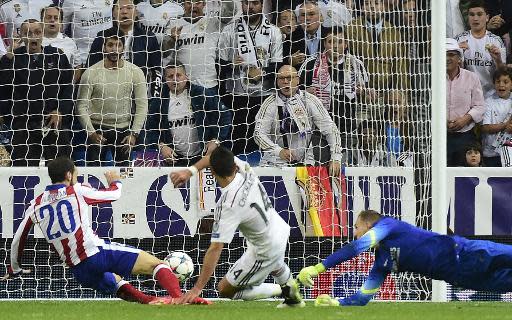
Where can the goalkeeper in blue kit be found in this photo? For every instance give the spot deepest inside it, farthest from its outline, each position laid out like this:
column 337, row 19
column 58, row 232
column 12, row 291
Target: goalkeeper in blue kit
column 399, row 247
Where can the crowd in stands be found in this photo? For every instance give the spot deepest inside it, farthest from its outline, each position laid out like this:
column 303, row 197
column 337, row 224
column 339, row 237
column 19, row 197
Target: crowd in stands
column 289, row 82
column 478, row 83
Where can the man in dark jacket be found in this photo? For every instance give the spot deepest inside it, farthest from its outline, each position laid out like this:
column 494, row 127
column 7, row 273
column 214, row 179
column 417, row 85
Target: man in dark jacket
column 182, row 121
column 35, row 92
column 141, row 48
column 307, row 38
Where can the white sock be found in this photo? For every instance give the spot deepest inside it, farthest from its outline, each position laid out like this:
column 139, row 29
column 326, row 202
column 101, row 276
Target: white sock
column 282, row 275
column 264, row 290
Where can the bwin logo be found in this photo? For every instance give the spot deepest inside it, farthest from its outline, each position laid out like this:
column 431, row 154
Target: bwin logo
column 188, row 41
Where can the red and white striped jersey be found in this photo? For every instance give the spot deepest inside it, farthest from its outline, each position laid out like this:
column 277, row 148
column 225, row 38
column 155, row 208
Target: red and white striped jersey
column 61, row 212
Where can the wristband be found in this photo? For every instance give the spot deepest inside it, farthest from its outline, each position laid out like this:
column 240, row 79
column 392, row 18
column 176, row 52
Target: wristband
column 193, row 170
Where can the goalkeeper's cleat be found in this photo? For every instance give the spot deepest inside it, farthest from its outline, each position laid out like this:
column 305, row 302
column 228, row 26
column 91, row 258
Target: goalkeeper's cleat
column 292, row 296
column 158, row 301
column 325, row 300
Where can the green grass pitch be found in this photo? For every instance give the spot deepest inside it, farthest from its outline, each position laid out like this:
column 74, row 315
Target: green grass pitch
column 266, row 310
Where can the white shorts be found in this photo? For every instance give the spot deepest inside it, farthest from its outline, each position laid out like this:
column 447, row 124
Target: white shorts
column 250, row 271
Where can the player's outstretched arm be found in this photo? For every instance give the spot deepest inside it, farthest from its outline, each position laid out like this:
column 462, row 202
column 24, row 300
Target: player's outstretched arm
column 209, row 264
column 17, row 246
column 180, row 177
column 369, row 240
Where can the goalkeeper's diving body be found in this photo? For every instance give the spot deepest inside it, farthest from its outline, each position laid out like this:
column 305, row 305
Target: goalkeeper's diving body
column 401, row 247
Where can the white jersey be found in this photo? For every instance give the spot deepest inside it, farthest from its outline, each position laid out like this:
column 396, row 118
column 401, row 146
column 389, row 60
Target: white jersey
column 244, row 205
column 497, row 110
column 196, row 48
column 86, row 18
column 267, row 41
column 478, row 59
column 62, row 214
column 156, row 18
column 67, row 45
column 14, row 12
column 182, row 125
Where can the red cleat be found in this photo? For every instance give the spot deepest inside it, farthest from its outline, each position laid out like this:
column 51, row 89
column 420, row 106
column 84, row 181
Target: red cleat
column 200, row 300
column 158, row 301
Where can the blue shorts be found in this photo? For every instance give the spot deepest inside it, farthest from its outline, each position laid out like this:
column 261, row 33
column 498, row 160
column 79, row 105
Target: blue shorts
column 484, row 265
column 97, row 271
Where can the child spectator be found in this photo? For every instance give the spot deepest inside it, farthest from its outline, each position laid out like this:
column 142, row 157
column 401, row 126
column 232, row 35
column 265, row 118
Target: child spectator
column 497, row 120
column 472, row 156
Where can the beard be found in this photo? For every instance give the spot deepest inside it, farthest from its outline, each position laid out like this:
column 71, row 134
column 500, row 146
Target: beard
column 114, row 56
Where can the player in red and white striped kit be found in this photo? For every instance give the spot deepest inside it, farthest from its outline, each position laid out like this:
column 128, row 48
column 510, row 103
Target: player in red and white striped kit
column 61, row 212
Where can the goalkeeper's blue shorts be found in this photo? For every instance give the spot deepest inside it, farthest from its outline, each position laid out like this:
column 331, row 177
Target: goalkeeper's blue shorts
column 483, row 265
column 97, row 271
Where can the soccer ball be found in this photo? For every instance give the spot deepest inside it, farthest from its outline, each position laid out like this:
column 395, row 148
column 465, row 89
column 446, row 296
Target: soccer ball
column 181, row 264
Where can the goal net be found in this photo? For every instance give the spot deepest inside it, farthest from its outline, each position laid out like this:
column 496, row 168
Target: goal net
column 367, row 62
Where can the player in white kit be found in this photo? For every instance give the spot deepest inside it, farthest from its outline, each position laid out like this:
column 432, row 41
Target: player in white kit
column 244, row 205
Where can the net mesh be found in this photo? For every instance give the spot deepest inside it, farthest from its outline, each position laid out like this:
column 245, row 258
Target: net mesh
column 368, row 64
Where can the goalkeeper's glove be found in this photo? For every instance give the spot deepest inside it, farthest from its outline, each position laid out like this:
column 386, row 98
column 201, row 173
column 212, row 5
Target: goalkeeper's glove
column 307, row 274
column 325, row 300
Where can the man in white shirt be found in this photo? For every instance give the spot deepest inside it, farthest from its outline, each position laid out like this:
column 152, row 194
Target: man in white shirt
column 244, row 205
column 14, row 12
column 52, row 19
column 193, row 40
column 85, row 18
column 484, row 51
column 155, row 15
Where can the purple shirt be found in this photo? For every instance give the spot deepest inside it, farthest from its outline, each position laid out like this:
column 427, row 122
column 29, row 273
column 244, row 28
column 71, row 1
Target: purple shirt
column 464, row 96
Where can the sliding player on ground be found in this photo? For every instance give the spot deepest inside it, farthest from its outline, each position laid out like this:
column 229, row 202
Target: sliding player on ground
column 244, row 205
column 62, row 214
column 401, row 247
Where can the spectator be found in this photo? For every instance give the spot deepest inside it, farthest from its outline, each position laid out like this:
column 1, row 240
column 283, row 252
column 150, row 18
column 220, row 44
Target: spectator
column 307, row 38
column 180, row 120
column 464, row 102
column 336, row 78
column 37, row 89
column 472, row 156
column 141, row 47
column 380, row 46
column 484, row 52
column 416, row 35
column 454, row 21
column 14, row 13
column 285, row 123
column 369, row 151
column 250, row 49
column 500, row 12
column 155, row 15
column 3, row 50
column 287, row 22
column 397, row 130
column 84, row 19
column 194, row 40
column 52, row 22
column 107, row 91
column 497, row 122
